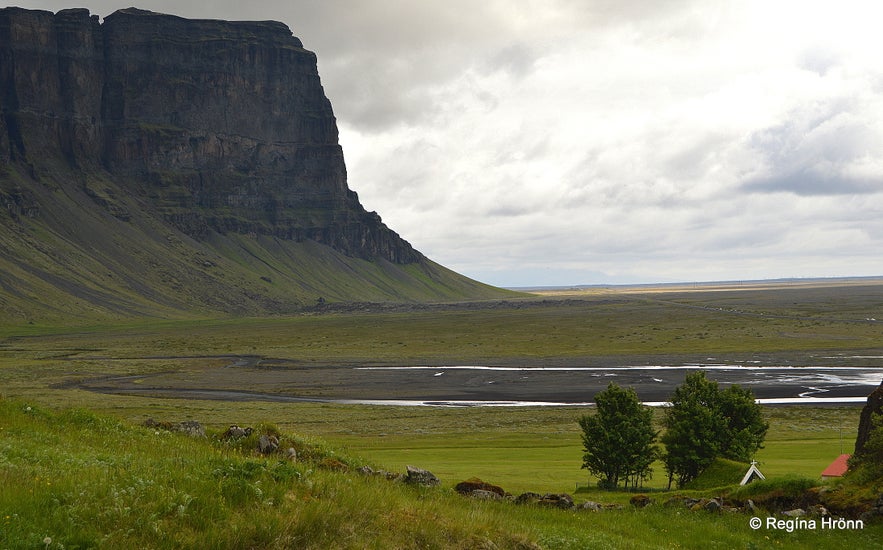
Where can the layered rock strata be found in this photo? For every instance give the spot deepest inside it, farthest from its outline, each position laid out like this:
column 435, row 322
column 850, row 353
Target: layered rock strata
column 218, row 126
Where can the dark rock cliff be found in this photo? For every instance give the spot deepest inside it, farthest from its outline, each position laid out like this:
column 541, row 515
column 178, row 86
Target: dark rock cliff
column 873, row 407
column 217, row 126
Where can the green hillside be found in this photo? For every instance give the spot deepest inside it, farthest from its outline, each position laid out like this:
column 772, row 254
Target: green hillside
column 87, row 249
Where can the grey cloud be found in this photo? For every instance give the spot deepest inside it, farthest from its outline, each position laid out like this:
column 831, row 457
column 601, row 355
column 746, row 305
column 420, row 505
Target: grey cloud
column 516, row 59
column 827, row 150
column 807, row 181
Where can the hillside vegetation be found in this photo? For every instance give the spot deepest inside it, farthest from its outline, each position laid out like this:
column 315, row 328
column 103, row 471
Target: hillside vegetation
column 77, row 260
column 75, row 479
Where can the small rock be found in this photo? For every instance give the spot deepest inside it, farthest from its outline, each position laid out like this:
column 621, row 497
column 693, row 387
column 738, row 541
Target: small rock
column 235, row 432
column 590, row 506
column 291, row 454
column 713, row 505
column 557, row 500
column 795, row 513
column 191, row 428
column 640, row 501
column 268, row 444
column 419, row 476
column 707, row 504
column 475, row 484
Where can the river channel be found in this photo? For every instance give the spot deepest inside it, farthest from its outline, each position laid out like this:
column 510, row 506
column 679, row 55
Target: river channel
column 476, row 385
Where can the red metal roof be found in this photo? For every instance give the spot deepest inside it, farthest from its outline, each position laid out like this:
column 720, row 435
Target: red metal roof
column 837, row 468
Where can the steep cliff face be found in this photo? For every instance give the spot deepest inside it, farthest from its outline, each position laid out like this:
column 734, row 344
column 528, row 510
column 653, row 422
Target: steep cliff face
column 219, row 126
column 151, row 164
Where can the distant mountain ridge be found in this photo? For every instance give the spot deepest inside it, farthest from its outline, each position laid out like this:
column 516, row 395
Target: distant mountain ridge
column 154, row 163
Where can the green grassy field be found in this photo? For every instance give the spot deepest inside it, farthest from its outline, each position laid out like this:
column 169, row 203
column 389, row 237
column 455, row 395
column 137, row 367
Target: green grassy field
column 521, row 449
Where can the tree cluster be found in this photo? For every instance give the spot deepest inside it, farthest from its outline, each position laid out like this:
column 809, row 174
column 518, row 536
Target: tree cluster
column 704, row 422
column 701, row 423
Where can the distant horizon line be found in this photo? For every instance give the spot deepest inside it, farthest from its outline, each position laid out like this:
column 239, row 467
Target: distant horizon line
column 725, row 282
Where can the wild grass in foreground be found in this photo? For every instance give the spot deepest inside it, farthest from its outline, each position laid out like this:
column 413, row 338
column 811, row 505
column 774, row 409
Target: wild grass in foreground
column 75, row 479
column 86, row 481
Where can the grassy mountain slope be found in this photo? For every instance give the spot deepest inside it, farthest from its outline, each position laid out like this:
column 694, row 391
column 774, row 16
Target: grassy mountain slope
column 74, row 244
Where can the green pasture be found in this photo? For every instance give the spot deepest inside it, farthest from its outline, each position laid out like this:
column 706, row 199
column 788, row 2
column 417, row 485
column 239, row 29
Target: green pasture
column 544, row 454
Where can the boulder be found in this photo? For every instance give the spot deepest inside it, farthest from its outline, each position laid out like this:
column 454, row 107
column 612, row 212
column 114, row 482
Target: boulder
column 419, row 476
column 707, row 504
column 640, row 501
column 291, row 454
column 235, row 432
column 713, row 505
column 557, row 500
column 391, row 476
column 590, row 506
column 268, row 444
column 475, row 484
column 190, row 427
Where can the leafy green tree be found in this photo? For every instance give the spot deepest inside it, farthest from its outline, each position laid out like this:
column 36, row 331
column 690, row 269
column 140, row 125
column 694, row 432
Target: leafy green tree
column 703, row 423
column 618, row 440
column 691, row 429
column 746, row 428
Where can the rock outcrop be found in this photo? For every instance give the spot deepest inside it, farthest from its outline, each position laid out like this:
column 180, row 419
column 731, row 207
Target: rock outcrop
column 873, row 406
column 220, row 126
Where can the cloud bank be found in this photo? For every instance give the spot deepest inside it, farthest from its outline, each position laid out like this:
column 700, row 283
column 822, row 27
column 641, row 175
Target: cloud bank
column 547, row 143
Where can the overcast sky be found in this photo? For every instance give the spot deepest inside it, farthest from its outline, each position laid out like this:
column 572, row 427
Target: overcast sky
column 537, row 142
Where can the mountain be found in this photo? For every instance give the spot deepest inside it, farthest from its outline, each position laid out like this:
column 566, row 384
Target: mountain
column 151, row 164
